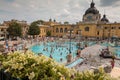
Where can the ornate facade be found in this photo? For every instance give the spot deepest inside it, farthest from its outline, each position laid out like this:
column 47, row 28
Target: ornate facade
column 23, row 24
column 92, row 26
column 91, row 14
column 3, row 31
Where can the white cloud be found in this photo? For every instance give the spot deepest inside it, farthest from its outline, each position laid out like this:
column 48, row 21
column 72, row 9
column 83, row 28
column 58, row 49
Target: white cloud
column 66, row 11
column 61, row 10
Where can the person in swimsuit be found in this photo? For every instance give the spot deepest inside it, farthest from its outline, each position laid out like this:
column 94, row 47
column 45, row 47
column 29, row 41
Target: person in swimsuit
column 112, row 62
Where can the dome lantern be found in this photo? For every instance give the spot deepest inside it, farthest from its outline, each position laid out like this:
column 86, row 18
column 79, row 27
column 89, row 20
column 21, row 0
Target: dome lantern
column 104, row 19
column 92, row 4
column 92, row 9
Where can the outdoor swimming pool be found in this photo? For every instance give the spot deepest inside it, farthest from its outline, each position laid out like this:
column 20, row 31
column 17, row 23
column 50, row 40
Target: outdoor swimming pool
column 58, row 50
column 117, row 51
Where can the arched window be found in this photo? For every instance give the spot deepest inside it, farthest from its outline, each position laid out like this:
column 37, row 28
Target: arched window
column 86, row 28
column 98, row 33
column 61, row 30
column 113, row 27
column 2, row 29
column 65, row 30
column 57, row 30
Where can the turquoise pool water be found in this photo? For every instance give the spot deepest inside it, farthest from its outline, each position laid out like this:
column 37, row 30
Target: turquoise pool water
column 117, row 51
column 58, row 50
column 108, row 44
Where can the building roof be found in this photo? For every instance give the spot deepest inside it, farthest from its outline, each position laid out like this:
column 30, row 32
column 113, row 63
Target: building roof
column 2, row 26
column 104, row 19
column 92, row 9
column 43, row 25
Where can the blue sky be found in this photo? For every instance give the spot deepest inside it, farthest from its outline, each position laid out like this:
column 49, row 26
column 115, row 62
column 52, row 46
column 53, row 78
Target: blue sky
column 61, row 10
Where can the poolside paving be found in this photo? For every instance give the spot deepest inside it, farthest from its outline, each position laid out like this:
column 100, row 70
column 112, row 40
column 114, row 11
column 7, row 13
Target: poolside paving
column 91, row 54
column 115, row 72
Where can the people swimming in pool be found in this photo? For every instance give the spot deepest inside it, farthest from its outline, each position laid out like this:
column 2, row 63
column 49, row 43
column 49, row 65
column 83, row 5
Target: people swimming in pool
column 61, row 59
column 61, row 53
column 51, row 56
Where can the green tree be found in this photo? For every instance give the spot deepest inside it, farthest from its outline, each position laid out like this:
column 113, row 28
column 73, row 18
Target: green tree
column 38, row 22
column 34, row 29
column 66, row 23
column 14, row 30
column 48, row 33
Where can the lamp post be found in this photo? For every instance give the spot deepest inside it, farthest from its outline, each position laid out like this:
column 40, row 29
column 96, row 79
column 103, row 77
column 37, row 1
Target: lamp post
column 103, row 33
column 116, row 41
column 5, row 38
column 108, row 35
column 112, row 36
column 70, row 32
column 5, row 35
column 69, row 56
column 79, row 32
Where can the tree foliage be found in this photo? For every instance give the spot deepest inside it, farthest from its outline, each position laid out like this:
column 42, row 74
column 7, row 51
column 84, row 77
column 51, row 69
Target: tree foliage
column 34, row 29
column 15, row 29
column 39, row 21
column 66, row 22
column 48, row 33
column 33, row 67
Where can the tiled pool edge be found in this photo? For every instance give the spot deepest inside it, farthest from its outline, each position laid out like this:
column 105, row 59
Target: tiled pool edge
column 74, row 63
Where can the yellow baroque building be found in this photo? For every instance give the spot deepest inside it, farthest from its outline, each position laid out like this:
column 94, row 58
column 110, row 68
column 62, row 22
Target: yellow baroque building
column 91, row 26
column 60, row 30
column 3, row 31
column 43, row 30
